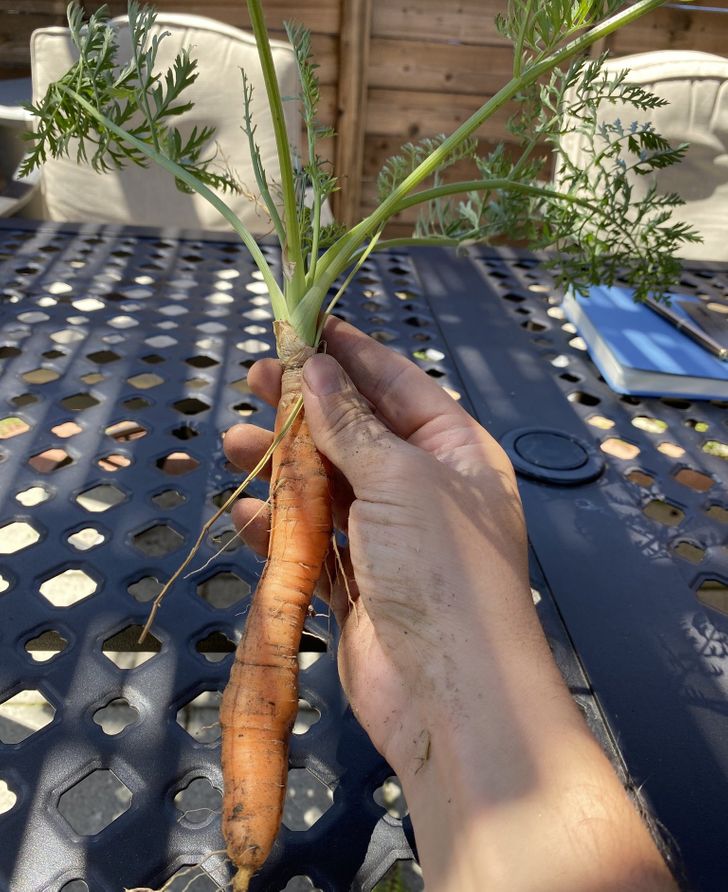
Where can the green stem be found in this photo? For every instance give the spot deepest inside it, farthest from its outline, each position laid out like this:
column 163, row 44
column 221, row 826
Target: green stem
column 338, row 256
column 518, row 49
column 488, row 186
column 433, row 241
column 292, row 248
column 276, row 296
column 255, row 159
column 142, row 93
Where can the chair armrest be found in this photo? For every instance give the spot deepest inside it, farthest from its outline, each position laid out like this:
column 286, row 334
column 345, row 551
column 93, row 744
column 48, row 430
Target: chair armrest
column 16, row 193
column 13, row 93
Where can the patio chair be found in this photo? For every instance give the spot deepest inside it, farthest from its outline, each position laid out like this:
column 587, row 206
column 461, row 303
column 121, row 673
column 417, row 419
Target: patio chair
column 696, row 86
column 66, row 191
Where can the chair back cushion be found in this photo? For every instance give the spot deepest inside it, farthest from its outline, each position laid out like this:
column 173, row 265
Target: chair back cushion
column 696, row 87
column 73, row 192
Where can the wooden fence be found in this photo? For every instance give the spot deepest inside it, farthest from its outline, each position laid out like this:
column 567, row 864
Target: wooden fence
column 391, row 70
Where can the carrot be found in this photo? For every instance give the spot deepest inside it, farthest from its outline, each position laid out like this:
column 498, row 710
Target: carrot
column 260, row 701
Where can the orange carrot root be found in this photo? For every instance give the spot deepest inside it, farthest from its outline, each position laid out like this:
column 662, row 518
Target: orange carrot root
column 260, row 701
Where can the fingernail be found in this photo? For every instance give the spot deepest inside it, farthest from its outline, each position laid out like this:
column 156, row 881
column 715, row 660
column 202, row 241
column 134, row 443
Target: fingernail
column 323, row 375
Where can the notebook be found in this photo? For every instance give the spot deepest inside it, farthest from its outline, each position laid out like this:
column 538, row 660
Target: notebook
column 639, row 352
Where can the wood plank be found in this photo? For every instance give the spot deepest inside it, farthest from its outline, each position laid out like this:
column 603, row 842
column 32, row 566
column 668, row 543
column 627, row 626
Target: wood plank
column 351, row 106
column 412, row 115
column 321, row 16
column 424, row 65
column 674, row 29
column 467, row 21
column 36, row 7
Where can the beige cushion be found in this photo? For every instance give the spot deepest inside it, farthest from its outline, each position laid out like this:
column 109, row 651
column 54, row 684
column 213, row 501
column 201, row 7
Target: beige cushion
column 149, row 197
column 696, row 86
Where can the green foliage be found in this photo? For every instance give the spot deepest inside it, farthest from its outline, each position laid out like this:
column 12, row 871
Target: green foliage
column 537, row 28
column 601, row 225
column 597, row 219
column 314, row 173
column 397, row 168
column 131, row 96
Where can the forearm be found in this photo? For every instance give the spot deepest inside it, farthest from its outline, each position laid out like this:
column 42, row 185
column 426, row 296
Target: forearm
column 510, row 791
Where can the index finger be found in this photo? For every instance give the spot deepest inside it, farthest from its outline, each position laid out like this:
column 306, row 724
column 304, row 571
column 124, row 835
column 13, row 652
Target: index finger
column 403, row 395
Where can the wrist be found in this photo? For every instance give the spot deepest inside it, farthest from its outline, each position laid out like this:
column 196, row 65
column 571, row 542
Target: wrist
column 508, row 790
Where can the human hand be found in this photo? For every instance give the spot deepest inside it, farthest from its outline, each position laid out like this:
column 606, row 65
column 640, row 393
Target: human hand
column 437, row 557
column 441, row 652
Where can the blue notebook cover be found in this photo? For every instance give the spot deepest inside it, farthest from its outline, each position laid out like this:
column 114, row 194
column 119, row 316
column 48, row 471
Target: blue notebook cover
column 640, row 353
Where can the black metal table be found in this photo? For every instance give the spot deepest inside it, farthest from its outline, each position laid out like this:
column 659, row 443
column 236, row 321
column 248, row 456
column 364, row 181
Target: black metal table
column 123, row 362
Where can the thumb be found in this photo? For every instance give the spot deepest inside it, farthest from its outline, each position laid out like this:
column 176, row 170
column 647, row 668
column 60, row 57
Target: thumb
column 343, row 426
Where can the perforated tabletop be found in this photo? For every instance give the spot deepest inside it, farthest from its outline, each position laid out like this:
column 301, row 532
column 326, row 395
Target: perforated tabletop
column 124, row 357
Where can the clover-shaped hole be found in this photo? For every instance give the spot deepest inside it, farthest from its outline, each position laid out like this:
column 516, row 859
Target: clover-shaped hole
column 620, row 448
column 103, row 357
column 226, row 540
column 190, row 406
column 68, row 588
column 169, row 498
column 136, row 403
column 86, row 538
column 650, row 425
column 79, row 402
column 215, row 646
column 198, row 801
column 640, row 478
column 144, row 589
column 46, row 646
column 689, row 551
column 664, row 512
column 8, row 797
column 306, row 717
column 245, row 409
column 158, row 540
column 50, row 460
column 159, row 342
column 96, row 801
column 66, row 429
column 694, row 480
column 185, row 432
column 34, row 495
column 113, row 462
column 12, row 426
column 23, row 714
column 177, row 463
column 16, row 536
column 714, row 593
column 202, row 362
column 200, row 717
column 717, row 512
column 300, row 883
column 221, row 498
column 115, row 716
column 145, row 381
column 100, row 498
column 125, row 431
column 241, row 385
column 307, row 800
column 223, row 589
column 402, row 875
column 191, row 878
column 125, row 651
column 40, row 376
column 716, row 448
column 390, row 796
